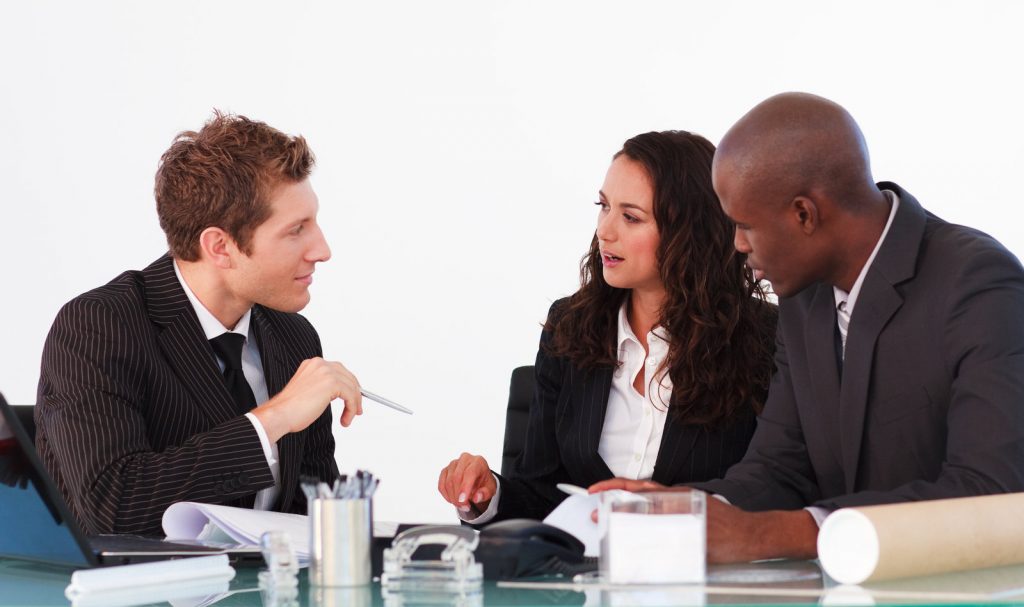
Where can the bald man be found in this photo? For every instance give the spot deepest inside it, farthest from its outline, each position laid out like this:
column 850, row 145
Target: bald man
column 900, row 356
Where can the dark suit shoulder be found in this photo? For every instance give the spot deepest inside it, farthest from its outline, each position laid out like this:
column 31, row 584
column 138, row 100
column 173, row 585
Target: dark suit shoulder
column 557, row 309
column 122, row 298
column 555, row 313
column 957, row 246
column 128, row 285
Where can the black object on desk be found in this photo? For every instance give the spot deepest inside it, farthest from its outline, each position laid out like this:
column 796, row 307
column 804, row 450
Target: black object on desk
column 511, row 549
column 520, row 548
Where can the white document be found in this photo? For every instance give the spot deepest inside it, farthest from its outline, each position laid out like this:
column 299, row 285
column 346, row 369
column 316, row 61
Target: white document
column 192, row 520
column 573, row 515
column 226, row 524
column 150, row 582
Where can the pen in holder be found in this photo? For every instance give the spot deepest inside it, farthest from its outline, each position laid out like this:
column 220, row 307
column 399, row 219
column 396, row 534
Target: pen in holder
column 341, row 530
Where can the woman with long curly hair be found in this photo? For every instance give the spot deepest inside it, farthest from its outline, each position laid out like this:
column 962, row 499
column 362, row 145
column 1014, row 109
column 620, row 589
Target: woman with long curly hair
column 657, row 366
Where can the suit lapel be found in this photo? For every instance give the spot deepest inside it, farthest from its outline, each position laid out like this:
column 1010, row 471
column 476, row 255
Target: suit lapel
column 677, row 442
column 276, row 364
column 272, row 353
column 819, row 339
column 592, row 403
column 877, row 303
column 870, row 315
column 183, row 342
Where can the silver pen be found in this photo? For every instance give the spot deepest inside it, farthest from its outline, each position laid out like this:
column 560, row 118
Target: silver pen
column 384, row 401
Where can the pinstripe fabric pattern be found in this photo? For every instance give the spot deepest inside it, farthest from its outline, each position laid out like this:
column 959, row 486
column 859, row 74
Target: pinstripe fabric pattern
column 564, row 431
column 133, row 414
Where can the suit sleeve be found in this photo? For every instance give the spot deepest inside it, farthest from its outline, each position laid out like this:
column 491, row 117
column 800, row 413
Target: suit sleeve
column 983, row 349
column 92, row 388
column 776, row 472
column 530, row 491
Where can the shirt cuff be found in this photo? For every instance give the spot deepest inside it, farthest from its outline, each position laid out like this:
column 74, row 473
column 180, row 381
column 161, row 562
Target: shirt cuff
column 818, row 513
column 721, row 498
column 264, row 439
column 486, row 515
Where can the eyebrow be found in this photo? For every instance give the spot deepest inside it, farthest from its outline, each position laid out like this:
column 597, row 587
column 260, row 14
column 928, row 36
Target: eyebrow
column 297, row 222
column 628, row 205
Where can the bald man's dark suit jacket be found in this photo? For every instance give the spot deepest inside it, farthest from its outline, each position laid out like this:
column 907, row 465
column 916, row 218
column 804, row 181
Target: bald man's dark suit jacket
column 133, row 413
column 930, row 403
column 564, row 431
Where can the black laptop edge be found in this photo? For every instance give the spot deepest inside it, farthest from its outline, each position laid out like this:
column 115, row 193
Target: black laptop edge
column 51, row 493
column 239, row 555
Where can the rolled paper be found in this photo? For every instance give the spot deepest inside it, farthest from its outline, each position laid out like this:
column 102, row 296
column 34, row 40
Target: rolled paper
column 165, row 574
column 873, row 543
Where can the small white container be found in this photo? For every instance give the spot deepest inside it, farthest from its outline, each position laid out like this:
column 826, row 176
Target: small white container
column 653, row 537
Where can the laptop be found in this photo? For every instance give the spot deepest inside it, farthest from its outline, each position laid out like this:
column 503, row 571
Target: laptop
column 39, row 526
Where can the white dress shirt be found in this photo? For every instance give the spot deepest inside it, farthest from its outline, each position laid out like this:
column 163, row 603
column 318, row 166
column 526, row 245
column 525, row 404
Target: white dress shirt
column 252, row 368
column 633, row 422
column 846, row 301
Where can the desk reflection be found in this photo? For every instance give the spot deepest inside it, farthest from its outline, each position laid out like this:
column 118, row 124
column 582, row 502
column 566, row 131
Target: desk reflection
column 769, row 583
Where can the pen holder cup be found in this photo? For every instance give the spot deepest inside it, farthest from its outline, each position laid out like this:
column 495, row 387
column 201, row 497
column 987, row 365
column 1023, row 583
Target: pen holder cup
column 653, row 537
column 341, row 534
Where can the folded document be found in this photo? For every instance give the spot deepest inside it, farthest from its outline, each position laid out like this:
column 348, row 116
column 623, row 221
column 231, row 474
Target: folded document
column 210, row 522
column 226, row 524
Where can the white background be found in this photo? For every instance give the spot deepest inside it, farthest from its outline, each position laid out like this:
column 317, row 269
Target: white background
column 460, row 146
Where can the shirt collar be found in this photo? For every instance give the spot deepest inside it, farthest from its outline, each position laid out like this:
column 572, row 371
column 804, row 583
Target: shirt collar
column 851, row 297
column 626, row 331
column 211, row 326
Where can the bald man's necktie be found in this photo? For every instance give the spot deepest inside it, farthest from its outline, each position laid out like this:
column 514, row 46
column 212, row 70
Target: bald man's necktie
column 843, row 320
column 228, row 347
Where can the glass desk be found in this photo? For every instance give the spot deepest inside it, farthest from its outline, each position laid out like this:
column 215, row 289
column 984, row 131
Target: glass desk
column 770, row 583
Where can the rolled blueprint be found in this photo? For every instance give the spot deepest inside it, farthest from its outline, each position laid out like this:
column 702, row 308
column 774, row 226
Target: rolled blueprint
column 874, row 543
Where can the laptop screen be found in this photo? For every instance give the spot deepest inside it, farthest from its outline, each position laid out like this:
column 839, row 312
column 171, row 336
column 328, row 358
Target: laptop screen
column 36, row 522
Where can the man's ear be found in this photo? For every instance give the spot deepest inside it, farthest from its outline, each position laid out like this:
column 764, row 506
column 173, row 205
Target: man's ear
column 805, row 213
column 218, row 247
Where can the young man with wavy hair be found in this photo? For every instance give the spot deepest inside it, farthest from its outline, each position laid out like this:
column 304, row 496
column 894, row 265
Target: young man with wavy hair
column 195, row 379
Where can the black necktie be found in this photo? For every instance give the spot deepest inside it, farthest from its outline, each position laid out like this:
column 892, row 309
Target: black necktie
column 228, row 347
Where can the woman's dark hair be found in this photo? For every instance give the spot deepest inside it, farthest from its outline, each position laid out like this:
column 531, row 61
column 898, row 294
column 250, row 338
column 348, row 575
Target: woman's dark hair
column 720, row 326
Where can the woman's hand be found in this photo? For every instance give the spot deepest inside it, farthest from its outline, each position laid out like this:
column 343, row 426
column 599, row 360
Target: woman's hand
column 467, row 482
column 625, row 484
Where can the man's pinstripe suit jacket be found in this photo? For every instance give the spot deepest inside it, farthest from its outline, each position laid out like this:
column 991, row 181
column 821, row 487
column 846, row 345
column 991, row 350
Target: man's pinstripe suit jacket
column 133, row 414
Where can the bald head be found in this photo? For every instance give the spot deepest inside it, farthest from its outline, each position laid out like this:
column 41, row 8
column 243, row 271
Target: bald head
column 796, row 144
column 793, row 175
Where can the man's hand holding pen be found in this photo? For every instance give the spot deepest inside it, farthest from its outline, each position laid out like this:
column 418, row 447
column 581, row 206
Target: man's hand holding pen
column 315, row 384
